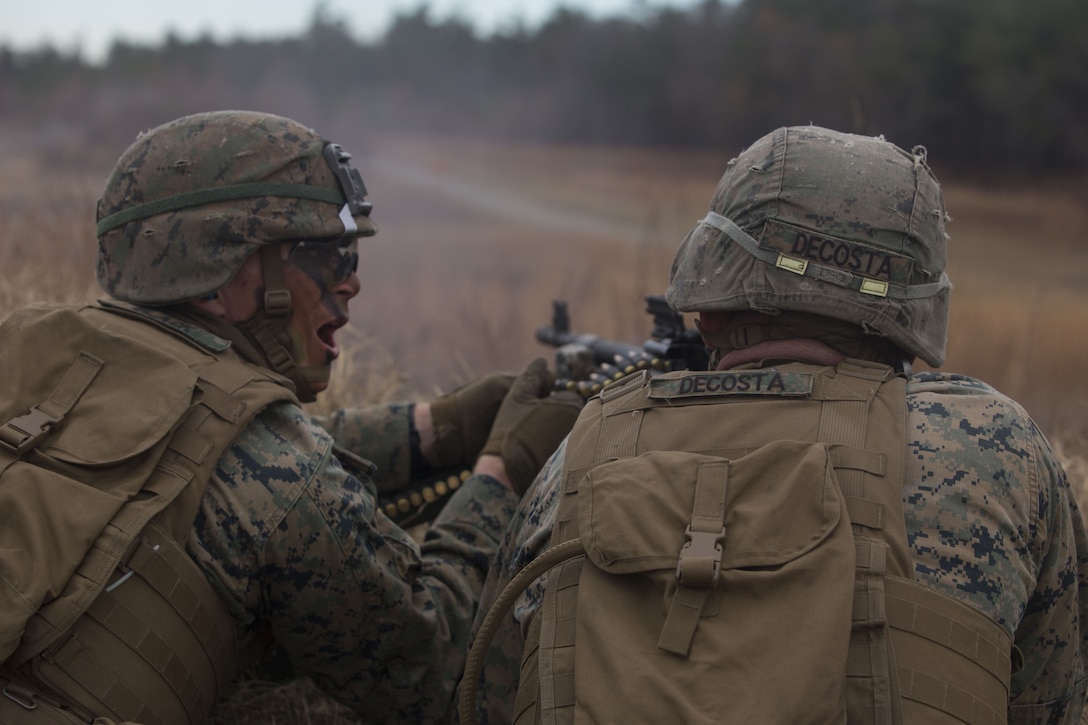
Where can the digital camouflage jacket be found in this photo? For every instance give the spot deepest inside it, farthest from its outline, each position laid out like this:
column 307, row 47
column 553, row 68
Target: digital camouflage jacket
column 292, row 540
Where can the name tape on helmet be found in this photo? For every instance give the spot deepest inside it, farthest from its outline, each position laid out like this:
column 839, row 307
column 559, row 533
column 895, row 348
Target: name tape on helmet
column 836, row 261
column 804, row 245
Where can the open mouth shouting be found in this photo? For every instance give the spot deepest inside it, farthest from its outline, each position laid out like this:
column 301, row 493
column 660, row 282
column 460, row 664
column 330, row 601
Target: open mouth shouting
column 327, row 335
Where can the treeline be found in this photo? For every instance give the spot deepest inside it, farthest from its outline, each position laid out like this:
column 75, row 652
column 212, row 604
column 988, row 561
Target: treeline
column 988, row 85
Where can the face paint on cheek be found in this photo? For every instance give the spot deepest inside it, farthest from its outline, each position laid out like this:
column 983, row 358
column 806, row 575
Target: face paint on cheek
column 321, row 296
column 333, row 303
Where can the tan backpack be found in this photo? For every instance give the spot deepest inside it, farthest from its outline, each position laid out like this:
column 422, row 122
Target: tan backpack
column 730, row 547
column 110, row 428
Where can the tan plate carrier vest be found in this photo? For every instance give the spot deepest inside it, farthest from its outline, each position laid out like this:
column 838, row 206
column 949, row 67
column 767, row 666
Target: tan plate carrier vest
column 762, row 512
column 109, row 432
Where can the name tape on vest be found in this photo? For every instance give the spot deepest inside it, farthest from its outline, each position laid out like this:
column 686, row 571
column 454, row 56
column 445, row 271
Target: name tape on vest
column 735, row 382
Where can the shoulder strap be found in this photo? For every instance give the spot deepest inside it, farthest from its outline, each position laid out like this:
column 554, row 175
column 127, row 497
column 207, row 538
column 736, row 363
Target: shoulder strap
column 872, row 687
column 916, row 656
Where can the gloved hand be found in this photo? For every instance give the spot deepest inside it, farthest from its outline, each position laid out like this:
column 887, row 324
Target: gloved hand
column 462, row 419
column 531, row 424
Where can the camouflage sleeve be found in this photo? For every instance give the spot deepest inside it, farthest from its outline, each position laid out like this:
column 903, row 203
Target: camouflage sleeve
column 378, row 433
column 294, row 542
column 1053, row 632
column 992, row 522
column 525, row 539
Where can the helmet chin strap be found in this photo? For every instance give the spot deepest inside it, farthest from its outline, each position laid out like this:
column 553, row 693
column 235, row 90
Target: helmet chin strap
column 269, row 330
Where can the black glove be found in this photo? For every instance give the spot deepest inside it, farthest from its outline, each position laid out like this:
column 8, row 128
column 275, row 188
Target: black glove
column 462, row 419
column 531, row 424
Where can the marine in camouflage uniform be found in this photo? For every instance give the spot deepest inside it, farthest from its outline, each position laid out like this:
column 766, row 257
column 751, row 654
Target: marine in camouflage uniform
column 288, row 531
column 990, row 518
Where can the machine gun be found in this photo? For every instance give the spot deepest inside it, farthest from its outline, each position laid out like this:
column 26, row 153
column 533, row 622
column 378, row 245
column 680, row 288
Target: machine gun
column 585, row 363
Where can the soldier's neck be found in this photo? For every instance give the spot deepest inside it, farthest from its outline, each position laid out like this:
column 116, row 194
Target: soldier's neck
column 796, row 350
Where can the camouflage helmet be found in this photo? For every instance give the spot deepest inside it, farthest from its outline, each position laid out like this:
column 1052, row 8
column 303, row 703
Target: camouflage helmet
column 190, row 200
column 812, row 220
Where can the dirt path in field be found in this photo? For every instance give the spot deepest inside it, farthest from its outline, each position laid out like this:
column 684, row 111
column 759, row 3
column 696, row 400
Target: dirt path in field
column 504, row 203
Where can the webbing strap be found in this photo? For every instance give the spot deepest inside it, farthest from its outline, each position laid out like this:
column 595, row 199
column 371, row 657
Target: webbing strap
column 700, row 558
column 865, row 512
column 619, row 434
column 277, row 298
column 24, row 432
column 191, row 444
column 872, row 688
column 842, row 421
column 216, row 399
column 858, row 459
column 199, row 440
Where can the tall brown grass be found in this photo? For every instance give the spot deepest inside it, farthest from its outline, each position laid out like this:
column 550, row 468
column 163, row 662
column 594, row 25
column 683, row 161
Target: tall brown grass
column 478, row 238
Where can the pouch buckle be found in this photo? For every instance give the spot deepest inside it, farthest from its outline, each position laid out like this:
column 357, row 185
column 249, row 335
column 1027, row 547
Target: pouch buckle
column 23, row 432
column 700, row 558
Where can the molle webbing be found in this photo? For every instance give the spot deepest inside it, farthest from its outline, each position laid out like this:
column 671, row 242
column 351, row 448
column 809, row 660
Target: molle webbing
column 145, row 637
column 157, row 649
column 933, row 637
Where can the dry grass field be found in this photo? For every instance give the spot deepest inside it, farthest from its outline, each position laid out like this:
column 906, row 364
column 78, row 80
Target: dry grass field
column 477, row 238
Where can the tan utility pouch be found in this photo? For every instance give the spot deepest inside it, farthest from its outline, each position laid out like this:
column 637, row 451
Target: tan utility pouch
column 692, row 597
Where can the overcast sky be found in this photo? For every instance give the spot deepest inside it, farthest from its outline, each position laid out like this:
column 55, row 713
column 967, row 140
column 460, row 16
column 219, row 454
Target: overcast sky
column 92, row 26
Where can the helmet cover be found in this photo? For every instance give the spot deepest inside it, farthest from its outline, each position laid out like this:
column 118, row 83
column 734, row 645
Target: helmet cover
column 190, row 200
column 813, row 220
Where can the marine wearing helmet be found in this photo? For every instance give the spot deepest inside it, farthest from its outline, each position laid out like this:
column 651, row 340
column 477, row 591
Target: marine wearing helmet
column 798, row 229
column 190, row 201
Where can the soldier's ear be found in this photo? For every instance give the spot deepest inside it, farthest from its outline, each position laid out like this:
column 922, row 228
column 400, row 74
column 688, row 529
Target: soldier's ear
column 713, row 320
